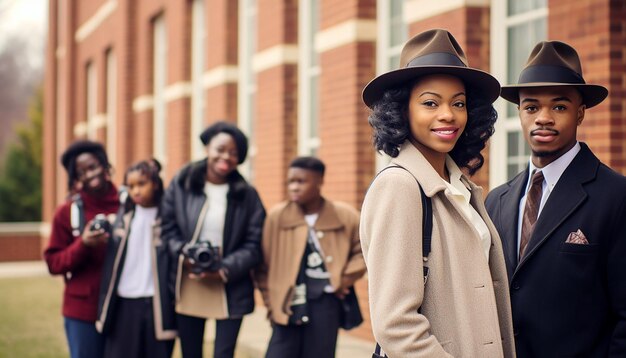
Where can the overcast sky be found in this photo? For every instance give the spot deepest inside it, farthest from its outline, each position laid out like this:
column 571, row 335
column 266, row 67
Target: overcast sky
column 25, row 19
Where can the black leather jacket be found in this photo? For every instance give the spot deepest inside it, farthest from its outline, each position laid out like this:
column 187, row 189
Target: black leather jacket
column 243, row 227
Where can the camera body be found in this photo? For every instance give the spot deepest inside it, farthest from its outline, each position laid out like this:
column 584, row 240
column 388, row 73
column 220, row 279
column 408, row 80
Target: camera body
column 203, row 257
column 99, row 222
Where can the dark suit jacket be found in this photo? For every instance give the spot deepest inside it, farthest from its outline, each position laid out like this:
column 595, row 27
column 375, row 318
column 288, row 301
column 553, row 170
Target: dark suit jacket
column 568, row 300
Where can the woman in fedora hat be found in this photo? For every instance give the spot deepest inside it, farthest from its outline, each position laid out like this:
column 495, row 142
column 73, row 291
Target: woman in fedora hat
column 432, row 116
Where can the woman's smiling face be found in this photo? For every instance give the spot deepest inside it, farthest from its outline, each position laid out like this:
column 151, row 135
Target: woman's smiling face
column 222, row 157
column 90, row 173
column 437, row 114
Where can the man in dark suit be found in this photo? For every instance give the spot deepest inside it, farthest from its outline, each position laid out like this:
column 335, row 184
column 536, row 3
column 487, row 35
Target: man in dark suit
column 562, row 220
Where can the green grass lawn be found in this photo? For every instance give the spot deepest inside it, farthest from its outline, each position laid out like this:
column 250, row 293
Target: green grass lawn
column 31, row 324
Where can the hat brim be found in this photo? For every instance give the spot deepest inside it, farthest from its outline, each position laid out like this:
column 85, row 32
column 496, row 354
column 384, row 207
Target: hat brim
column 592, row 94
column 375, row 89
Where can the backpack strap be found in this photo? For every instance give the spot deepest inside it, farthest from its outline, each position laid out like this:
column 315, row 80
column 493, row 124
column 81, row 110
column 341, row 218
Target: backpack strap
column 77, row 215
column 427, row 234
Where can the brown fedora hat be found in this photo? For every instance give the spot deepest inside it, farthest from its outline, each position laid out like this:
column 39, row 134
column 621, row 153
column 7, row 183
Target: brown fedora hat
column 429, row 53
column 554, row 63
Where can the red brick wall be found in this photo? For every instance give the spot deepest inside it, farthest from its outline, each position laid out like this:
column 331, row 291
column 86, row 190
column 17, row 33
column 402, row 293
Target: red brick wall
column 222, row 49
column 597, row 30
column 20, row 248
column 617, row 84
column 20, row 242
column 276, row 101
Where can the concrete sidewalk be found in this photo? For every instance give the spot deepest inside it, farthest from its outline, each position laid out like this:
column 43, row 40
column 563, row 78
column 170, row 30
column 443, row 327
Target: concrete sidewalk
column 255, row 331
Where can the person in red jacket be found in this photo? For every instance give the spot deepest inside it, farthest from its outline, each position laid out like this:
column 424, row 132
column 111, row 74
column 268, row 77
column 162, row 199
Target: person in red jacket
column 75, row 250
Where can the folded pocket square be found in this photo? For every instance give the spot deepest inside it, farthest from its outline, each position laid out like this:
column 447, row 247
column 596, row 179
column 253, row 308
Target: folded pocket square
column 577, row 238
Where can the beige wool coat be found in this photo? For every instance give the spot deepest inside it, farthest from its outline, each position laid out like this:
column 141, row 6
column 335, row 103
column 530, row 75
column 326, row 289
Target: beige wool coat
column 284, row 239
column 465, row 305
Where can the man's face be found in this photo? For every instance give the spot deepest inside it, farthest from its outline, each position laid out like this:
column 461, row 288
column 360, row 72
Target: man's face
column 550, row 117
column 303, row 185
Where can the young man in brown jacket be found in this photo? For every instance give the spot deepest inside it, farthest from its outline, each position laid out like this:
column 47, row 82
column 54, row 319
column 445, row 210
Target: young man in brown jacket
column 312, row 256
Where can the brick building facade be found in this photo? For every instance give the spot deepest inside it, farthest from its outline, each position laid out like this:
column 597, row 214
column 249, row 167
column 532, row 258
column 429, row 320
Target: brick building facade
column 146, row 76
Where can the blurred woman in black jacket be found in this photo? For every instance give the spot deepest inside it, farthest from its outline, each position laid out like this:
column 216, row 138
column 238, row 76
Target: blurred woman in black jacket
column 212, row 223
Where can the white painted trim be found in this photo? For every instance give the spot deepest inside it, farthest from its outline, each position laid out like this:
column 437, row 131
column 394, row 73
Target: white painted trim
column 498, row 61
column 219, row 76
column 45, row 229
column 526, row 17
column 275, row 56
column 177, row 91
column 143, row 103
column 111, row 105
column 98, row 121
column 80, row 129
column 351, row 31
column 60, row 52
column 198, row 64
column 89, row 26
column 417, row 10
column 21, row 228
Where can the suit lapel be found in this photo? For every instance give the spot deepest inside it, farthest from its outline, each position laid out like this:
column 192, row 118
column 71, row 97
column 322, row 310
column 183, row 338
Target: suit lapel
column 509, row 204
column 566, row 197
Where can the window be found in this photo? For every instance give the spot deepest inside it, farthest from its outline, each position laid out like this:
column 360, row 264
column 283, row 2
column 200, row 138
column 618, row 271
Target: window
column 111, row 105
column 393, row 33
column 159, row 84
column 517, row 27
column 92, row 99
column 247, row 75
column 198, row 62
column 308, row 78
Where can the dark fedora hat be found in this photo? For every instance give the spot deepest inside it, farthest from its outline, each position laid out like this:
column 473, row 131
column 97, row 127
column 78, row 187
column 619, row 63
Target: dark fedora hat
column 431, row 52
column 554, row 63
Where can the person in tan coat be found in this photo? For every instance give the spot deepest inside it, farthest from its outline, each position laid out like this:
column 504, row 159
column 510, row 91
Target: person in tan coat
column 432, row 117
column 311, row 257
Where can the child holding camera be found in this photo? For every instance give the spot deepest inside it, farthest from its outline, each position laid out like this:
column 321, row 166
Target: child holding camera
column 77, row 251
column 136, row 307
column 212, row 223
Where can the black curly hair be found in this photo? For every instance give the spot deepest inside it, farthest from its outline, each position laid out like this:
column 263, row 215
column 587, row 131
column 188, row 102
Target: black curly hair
column 391, row 125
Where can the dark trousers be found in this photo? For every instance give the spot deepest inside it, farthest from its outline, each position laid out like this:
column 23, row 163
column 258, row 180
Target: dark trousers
column 317, row 338
column 191, row 334
column 83, row 339
column 132, row 333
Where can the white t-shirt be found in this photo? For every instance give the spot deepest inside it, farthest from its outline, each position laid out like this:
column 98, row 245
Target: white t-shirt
column 136, row 279
column 213, row 224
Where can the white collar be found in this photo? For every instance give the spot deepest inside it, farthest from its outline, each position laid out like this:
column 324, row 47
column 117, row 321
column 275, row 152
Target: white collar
column 553, row 171
column 455, row 185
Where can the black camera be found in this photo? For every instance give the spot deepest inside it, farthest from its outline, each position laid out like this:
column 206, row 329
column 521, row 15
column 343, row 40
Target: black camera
column 99, row 222
column 203, row 257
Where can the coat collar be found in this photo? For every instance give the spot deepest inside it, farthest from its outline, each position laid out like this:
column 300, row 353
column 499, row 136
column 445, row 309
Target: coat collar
column 292, row 216
column 193, row 177
column 411, row 159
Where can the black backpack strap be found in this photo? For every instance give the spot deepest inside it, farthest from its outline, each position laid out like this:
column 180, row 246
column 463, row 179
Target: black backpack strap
column 377, row 352
column 427, row 234
column 427, row 229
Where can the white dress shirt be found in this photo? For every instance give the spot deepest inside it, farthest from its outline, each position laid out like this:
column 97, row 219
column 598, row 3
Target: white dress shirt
column 461, row 195
column 551, row 175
